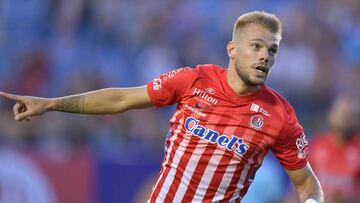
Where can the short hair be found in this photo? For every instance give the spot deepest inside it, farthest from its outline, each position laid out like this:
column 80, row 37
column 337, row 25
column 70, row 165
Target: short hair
column 267, row 20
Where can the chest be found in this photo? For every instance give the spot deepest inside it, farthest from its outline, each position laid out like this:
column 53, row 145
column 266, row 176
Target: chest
column 251, row 121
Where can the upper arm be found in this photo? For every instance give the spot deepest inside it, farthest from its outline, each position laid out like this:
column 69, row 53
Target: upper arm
column 164, row 90
column 169, row 88
column 291, row 146
column 306, row 183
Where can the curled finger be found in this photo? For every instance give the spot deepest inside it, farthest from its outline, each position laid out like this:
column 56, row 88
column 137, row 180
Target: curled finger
column 16, row 109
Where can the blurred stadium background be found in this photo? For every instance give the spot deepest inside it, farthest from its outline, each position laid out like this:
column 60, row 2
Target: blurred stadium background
column 52, row 48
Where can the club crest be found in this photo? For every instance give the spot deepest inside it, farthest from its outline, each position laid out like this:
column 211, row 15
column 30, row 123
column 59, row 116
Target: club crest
column 256, row 122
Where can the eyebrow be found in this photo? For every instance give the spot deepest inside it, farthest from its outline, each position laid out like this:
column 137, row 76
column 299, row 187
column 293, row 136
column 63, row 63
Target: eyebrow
column 261, row 40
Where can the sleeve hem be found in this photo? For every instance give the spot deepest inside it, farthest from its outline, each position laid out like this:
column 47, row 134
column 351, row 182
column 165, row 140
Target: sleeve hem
column 151, row 94
column 296, row 167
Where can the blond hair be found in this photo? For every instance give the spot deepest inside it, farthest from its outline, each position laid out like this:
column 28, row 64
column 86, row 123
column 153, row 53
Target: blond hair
column 267, row 20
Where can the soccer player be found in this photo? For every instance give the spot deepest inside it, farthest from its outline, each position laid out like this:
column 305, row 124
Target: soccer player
column 336, row 153
column 225, row 123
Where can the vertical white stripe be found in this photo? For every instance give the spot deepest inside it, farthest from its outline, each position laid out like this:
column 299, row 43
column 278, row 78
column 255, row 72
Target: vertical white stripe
column 189, row 170
column 230, row 170
column 210, row 168
column 244, row 173
column 173, row 168
column 225, row 181
column 208, row 174
column 173, row 119
column 168, row 151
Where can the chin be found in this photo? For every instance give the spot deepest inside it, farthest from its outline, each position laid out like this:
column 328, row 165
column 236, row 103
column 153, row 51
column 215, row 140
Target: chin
column 255, row 83
column 258, row 81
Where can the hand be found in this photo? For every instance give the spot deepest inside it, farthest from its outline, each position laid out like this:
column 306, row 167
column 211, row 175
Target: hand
column 26, row 106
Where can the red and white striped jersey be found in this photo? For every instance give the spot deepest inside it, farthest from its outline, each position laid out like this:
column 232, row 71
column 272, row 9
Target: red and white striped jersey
column 218, row 139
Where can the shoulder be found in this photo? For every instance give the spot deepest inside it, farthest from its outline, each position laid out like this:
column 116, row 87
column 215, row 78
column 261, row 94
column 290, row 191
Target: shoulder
column 277, row 100
column 208, row 70
column 209, row 75
column 197, row 71
column 284, row 114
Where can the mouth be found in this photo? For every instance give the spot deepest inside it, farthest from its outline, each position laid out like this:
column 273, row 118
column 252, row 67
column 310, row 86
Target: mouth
column 262, row 69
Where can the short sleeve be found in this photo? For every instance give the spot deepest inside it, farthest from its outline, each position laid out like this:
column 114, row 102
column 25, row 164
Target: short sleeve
column 291, row 148
column 170, row 87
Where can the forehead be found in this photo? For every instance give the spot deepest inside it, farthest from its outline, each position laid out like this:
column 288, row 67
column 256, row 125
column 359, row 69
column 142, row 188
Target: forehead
column 258, row 32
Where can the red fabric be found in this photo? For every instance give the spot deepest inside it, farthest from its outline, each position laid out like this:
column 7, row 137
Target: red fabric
column 337, row 166
column 218, row 139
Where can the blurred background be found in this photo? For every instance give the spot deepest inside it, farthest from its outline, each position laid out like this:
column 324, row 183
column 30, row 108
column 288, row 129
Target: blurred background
column 51, row 48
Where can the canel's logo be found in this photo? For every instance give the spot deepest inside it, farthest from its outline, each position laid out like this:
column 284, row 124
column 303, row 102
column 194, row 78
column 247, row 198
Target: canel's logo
column 232, row 143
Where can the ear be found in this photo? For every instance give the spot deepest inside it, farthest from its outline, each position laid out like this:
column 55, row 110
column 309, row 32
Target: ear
column 231, row 50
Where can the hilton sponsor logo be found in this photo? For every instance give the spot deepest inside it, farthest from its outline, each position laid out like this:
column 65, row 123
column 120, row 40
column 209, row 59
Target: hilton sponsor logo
column 204, row 95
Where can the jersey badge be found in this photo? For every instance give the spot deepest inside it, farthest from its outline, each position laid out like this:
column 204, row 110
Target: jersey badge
column 256, row 122
column 156, row 84
column 301, row 144
column 256, row 108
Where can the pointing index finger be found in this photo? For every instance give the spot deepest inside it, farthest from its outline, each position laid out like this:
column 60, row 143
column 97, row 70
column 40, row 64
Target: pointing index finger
column 10, row 96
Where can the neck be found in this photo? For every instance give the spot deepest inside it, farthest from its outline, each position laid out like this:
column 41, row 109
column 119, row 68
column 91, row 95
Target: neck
column 237, row 84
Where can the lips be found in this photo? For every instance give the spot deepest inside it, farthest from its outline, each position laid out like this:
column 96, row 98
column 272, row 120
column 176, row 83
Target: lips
column 262, row 69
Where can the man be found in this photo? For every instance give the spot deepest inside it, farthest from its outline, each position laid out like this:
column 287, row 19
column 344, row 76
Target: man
column 225, row 123
column 336, row 154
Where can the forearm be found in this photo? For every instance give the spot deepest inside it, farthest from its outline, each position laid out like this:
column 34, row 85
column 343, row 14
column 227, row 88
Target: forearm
column 103, row 101
column 307, row 185
column 310, row 189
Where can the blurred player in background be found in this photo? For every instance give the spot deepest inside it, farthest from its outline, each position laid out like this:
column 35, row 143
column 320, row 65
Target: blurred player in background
column 336, row 154
column 225, row 123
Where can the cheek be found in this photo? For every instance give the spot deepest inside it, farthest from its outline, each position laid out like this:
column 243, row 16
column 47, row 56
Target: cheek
column 246, row 56
column 271, row 61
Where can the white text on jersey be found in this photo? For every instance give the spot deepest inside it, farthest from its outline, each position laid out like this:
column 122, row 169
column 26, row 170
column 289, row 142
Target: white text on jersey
column 204, row 95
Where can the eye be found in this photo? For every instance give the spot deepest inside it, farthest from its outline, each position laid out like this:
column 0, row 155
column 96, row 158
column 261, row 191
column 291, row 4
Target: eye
column 273, row 51
column 255, row 46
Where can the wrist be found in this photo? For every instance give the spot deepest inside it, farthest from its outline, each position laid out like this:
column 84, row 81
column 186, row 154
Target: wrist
column 50, row 105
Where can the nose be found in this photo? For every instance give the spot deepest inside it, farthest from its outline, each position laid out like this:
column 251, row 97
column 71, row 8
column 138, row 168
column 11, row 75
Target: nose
column 264, row 57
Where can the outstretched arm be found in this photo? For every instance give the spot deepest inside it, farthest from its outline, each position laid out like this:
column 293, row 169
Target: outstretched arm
column 307, row 185
column 103, row 101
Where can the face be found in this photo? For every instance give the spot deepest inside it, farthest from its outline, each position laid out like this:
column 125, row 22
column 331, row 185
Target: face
column 254, row 53
column 344, row 116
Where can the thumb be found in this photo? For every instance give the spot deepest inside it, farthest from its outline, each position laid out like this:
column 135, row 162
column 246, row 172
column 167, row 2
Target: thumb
column 24, row 115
